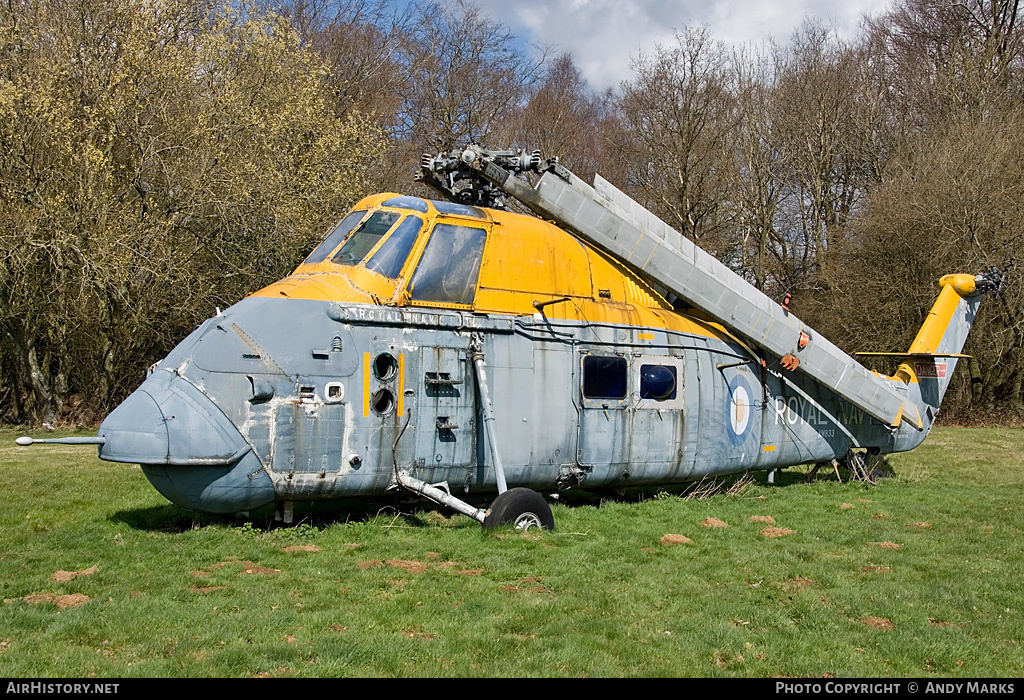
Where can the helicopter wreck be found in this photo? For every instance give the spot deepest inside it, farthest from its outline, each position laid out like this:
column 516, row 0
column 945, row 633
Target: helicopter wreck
column 453, row 348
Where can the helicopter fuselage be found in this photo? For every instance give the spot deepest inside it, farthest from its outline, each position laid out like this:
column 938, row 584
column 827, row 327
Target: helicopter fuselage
column 360, row 366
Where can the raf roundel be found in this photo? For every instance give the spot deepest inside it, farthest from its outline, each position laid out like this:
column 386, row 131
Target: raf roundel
column 741, row 408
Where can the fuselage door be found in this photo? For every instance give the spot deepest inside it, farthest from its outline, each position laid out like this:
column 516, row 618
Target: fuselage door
column 603, row 401
column 657, row 437
column 447, row 411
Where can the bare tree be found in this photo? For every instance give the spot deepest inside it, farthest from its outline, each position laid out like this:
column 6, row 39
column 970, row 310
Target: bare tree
column 362, row 44
column 950, row 204
column 676, row 121
column 466, row 73
column 827, row 120
column 946, row 57
column 756, row 167
column 564, row 117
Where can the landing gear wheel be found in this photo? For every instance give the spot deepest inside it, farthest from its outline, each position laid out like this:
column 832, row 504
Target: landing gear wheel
column 522, row 508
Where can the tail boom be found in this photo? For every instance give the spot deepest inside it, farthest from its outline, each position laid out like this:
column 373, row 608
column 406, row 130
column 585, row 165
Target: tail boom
column 928, row 366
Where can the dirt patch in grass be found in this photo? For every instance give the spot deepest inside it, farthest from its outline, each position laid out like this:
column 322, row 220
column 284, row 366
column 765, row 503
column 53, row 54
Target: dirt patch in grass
column 301, row 548
column 675, row 539
column 919, row 525
column 884, row 545
column 200, row 574
column 369, row 564
column 846, row 506
column 413, row 567
column 714, row 522
column 875, row 569
column 878, row 623
column 863, row 500
column 37, row 598
column 4, row 644
column 766, row 519
column 776, row 532
column 879, row 516
column 73, row 600
column 61, row 576
column 433, row 555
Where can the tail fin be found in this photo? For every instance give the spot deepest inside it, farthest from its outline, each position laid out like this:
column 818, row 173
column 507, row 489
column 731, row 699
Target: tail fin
column 934, row 353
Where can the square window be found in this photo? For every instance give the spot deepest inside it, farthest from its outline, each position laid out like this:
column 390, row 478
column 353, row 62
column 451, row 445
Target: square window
column 604, row 377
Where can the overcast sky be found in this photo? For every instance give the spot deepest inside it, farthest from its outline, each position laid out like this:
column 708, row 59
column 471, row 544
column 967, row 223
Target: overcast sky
column 603, row 35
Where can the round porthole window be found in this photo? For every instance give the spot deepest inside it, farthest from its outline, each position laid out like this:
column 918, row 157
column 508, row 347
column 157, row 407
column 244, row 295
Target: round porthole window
column 657, row 382
column 383, row 402
column 385, row 366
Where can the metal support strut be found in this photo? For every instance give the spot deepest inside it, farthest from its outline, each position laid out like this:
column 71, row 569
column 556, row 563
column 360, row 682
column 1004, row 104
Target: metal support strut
column 429, row 491
column 441, row 495
column 477, row 354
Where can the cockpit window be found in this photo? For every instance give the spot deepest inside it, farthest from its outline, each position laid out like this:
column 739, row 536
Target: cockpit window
column 458, row 209
column 404, row 202
column 390, row 257
column 365, row 237
column 335, row 237
column 450, row 265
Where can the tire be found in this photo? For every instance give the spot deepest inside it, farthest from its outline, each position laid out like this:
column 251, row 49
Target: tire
column 520, row 507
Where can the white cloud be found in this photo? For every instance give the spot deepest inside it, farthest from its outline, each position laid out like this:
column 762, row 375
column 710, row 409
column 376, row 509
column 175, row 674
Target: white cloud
column 604, row 35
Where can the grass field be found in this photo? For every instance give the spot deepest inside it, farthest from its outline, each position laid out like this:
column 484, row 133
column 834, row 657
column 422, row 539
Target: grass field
column 919, row 575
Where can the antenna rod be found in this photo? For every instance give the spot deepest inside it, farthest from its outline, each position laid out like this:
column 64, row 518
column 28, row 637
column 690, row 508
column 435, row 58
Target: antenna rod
column 26, row 441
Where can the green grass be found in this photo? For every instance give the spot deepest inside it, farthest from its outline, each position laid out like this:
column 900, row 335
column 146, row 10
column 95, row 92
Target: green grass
column 417, row 593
